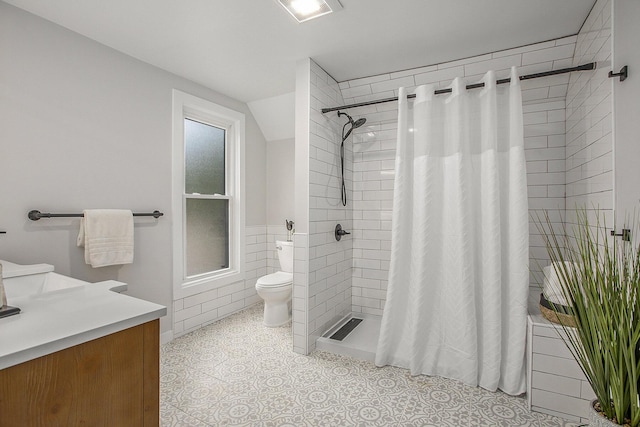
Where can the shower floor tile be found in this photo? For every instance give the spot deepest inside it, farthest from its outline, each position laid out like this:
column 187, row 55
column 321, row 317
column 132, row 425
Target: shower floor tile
column 360, row 343
column 238, row 372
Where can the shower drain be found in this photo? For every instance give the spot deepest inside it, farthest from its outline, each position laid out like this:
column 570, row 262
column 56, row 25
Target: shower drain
column 346, row 329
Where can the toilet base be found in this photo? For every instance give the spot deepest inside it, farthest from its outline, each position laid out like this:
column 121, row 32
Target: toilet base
column 276, row 314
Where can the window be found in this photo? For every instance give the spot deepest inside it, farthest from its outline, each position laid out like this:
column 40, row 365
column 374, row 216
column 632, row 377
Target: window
column 208, row 212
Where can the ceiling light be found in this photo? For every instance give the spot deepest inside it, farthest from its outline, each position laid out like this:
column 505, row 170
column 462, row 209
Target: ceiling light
column 305, row 7
column 304, row 10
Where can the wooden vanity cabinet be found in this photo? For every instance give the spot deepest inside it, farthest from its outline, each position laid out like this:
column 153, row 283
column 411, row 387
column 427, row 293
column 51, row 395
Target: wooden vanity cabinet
column 109, row 381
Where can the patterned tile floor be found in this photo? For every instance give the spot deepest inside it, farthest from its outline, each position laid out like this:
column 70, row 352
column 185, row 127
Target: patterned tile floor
column 237, row 372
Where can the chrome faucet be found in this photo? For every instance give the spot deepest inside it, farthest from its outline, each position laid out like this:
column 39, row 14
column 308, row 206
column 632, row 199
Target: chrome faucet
column 5, row 310
column 290, row 229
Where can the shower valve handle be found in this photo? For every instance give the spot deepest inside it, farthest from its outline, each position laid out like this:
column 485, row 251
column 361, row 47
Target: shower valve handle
column 339, row 232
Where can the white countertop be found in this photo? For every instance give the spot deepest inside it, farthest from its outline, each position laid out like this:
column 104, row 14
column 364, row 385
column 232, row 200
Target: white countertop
column 60, row 319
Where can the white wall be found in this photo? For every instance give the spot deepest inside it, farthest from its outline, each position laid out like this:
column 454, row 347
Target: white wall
column 322, row 277
column 84, row 126
column 300, row 300
column 589, row 158
column 280, row 181
column 280, row 195
column 330, row 261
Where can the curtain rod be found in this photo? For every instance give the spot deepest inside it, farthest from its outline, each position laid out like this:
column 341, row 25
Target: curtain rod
column 583, row 67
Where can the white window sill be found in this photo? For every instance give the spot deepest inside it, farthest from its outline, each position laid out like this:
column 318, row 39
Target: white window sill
column 198, row 285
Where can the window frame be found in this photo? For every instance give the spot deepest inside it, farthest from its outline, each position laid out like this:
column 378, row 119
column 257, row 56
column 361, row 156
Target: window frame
column 186, row 106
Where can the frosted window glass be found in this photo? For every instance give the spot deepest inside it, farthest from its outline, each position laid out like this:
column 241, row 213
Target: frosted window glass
column 204, row 158
column 207, row 235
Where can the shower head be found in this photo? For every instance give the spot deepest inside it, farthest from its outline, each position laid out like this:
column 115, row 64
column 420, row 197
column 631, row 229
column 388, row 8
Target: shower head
column 359, row 122
column 353, row 124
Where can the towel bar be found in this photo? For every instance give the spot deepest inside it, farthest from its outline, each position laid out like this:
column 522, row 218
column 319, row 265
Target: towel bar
column 35, row 215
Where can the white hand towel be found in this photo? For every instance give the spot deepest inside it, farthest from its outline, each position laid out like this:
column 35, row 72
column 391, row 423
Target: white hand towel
column 107, row 237
column 553, row 289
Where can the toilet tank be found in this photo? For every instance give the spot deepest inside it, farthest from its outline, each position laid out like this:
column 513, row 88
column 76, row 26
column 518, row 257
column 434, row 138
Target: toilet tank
column 285, row 255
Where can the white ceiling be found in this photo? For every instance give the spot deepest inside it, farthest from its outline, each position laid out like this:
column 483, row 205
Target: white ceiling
column 247, row 49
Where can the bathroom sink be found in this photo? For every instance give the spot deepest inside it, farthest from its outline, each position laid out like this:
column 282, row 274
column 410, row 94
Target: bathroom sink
column 36, row 279
column 58, row 312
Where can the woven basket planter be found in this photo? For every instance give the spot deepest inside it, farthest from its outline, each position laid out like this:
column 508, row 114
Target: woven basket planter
column 561, row 315
column 596, row 419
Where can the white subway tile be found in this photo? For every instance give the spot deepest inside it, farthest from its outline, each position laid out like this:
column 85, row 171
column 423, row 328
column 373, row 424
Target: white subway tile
column 545, row 55
column 393, row 84
column 556, row 165
column 369, row 80
column 523, row 49
column 535, row 118
column 551, row 347
column 225, row 310
column 554, row 141
column 547, row 203
column 505, row 62
column 218, row 302
column 446, row 74
column 535, row 68
column 537, row 191
column 536, row 154
column 544, row 106
column 556, row 178
column 357, row 91
column 556, row 115
column 539, row 166
column 559, row 79
column 556, row 128
column 531, row 142
column 464, row 61
column 374, row 294
column 187, row 313
column 559, row 64
column 586, row 391
column 413, row 71
column 556, row 384
column 200, row 320
column 200, row 298
column 558, row 91
column 535, row 94
column 566, row 40
column 560, row 403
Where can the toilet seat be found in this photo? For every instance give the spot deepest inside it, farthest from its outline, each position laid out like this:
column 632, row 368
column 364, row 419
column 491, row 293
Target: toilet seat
column 275, row 280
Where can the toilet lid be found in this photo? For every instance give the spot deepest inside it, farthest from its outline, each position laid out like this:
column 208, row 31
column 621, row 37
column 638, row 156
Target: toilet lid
column 278, row 278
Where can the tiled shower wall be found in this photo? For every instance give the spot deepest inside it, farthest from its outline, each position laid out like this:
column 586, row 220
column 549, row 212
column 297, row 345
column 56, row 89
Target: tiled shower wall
column 330, row 261
column 589, row 162
column 374, row 151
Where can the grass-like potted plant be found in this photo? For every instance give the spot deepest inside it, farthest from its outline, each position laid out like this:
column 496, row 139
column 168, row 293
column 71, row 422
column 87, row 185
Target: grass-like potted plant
column 601, row 282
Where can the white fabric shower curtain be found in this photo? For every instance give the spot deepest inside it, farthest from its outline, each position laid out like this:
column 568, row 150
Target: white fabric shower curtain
column 458, row 281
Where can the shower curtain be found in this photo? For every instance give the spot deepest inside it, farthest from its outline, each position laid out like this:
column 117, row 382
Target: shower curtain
column 458, row 281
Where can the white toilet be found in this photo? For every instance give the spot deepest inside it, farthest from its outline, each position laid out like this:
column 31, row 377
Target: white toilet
column 275, row 289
